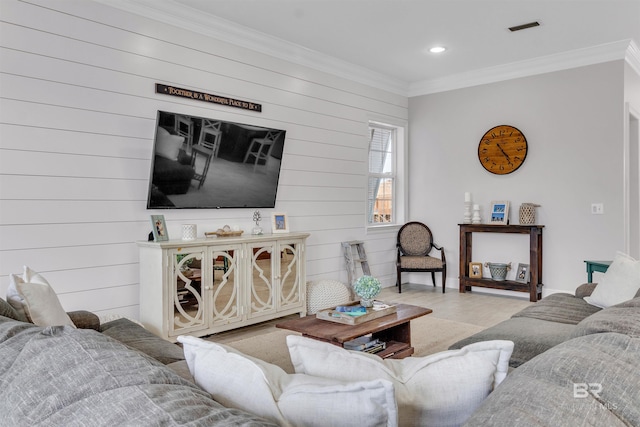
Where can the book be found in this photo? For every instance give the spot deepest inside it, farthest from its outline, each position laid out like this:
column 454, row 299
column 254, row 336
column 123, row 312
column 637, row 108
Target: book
column 376, row 348
column 362, row 343
column 351, row 310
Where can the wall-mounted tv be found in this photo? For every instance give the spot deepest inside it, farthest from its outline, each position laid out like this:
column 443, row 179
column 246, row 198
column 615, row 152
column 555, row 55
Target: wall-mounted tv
column 201, row 162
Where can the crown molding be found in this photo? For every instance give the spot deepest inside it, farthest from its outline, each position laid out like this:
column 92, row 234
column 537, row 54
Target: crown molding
column 632, row 56
column 172, row 13
column 562, row 61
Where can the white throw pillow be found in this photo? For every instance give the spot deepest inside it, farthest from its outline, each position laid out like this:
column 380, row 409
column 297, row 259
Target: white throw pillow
column 240, row 381
column 442, row 389
column 32, row 295
column 619, row 283
column 168, row 145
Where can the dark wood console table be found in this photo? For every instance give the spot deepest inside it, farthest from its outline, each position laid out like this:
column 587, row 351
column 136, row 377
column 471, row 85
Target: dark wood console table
column 534, row 287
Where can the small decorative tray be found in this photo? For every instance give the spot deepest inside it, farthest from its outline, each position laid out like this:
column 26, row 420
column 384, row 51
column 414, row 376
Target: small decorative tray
column 221, row 233
column 379, row 309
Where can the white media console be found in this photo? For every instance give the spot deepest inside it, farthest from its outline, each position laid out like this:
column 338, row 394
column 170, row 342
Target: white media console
column 205, row 286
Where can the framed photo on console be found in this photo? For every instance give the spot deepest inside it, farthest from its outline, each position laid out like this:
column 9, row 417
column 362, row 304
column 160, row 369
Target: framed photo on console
column 475, row 270
column 499, row 213
column 279, row 223
column 522, row 273
column 159, row 227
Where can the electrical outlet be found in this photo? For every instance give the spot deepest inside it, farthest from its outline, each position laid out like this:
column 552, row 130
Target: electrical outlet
column 597, row 208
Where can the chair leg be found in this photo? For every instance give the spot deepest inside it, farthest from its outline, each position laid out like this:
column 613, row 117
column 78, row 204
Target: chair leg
column 444, row 279
column 433, row 278
column 399, row 281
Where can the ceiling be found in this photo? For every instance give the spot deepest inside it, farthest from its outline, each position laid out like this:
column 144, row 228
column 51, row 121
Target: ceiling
column 388, row 40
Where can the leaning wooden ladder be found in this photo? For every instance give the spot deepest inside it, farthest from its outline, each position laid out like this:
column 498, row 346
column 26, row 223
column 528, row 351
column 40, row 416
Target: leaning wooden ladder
column 351, row 259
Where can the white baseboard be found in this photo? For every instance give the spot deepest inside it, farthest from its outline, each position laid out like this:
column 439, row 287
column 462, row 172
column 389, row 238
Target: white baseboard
column 453, row 284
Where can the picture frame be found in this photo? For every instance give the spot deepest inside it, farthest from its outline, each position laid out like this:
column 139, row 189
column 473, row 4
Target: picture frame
column 475, row 270
column 522, row 273
column 499, row 213
column 159, row 227
column 279, row 222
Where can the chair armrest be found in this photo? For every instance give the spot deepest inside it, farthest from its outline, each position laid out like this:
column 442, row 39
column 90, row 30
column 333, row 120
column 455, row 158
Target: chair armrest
column 441, row 249
column 585, row 290
column 85, row 319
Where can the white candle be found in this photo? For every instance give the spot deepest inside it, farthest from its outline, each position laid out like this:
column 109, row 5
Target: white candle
column 467, row 197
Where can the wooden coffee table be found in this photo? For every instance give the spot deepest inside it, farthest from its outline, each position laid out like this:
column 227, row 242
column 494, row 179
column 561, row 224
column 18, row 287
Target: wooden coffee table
column 394, row 329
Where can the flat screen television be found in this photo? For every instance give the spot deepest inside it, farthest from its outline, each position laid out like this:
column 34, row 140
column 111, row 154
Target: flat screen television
column 201, row 162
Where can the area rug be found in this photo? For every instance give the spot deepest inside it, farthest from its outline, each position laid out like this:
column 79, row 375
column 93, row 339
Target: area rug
column 428, row 335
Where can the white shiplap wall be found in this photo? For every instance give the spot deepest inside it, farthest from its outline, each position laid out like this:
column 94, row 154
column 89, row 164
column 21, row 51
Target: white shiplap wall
column 77, row 118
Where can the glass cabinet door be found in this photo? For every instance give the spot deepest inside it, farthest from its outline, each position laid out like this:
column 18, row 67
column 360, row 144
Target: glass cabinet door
column 226, row 290
column 261, row 279
column 186, row 299
column 289, row 295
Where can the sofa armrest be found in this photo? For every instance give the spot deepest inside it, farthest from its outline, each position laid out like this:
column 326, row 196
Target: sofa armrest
column 184, row 158
column 585, row 290
column 136, row 336
column 85, row 319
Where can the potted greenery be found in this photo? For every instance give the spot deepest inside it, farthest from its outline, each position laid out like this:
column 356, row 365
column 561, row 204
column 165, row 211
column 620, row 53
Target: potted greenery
column 367, row 288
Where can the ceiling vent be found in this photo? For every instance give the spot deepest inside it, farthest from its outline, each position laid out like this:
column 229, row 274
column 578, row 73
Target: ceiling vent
column 524, row 26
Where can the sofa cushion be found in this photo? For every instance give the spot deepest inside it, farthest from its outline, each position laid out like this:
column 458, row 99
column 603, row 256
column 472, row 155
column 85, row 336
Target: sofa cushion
column 623, row 318
column 619, row 283
column 241, row 381
column 585, row 290
column 167, row 145
column 530, row 337
column 587, row 381
column 442, row 389
column 170, row 176
column 7, row 310
column 32, row 296
column 137, row 337
column 60, row 376
column 84, row 319
column 561, row 308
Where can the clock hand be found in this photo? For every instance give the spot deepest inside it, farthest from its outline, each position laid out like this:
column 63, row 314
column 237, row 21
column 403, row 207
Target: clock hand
column 505, row 154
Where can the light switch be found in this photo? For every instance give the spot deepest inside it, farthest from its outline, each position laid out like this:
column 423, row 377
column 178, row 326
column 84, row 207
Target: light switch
column 597, row 208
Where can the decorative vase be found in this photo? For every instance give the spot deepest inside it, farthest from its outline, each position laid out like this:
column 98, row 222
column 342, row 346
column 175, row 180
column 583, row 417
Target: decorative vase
column 498, row 270
column 527, row 213
column 367, row 303
column 367, row 288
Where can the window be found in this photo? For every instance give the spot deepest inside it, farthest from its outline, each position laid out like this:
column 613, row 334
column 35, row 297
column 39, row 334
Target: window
column 384, row 192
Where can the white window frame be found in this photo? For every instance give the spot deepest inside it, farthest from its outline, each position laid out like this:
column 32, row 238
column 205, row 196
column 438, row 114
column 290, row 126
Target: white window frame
column 399, row 174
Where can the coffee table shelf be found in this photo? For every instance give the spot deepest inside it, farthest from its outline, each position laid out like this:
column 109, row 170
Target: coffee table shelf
column 394, row 329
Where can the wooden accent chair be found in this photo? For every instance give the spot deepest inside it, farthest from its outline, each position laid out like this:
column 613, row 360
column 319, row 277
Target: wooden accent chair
column 263, row 147
column 414, row 243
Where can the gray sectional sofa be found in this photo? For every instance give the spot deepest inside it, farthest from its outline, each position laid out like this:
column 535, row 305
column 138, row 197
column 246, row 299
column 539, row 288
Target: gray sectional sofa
column 61, row 376
column 576, row 365
column 537, row 328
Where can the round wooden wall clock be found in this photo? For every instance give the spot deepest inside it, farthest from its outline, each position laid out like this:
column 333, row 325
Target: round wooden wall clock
column 502, row 149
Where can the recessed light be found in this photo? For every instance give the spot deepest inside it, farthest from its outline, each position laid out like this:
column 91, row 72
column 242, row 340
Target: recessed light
column 437, row 49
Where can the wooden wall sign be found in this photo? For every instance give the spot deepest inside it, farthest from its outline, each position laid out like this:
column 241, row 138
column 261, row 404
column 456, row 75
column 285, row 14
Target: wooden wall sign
column 207, row 97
